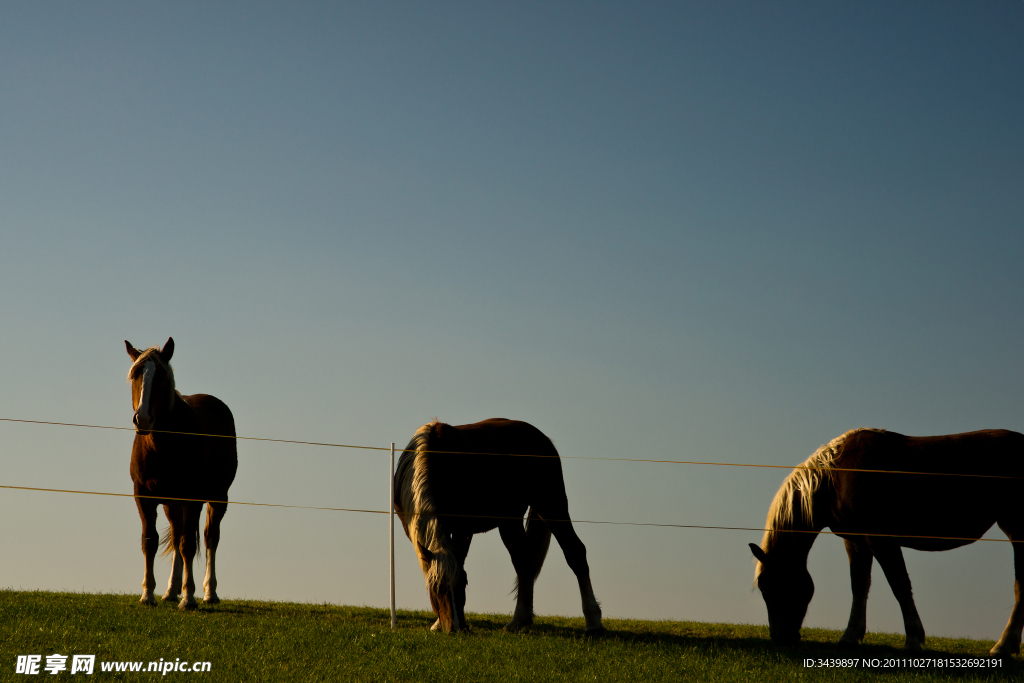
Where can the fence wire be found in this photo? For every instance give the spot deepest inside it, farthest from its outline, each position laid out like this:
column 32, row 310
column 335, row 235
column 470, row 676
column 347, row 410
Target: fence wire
column 526, row 455
column 504, row 518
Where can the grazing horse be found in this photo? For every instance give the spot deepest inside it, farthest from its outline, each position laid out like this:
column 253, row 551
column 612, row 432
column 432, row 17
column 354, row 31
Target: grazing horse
column 879, row 513
column 450, row 484
column 171, row 459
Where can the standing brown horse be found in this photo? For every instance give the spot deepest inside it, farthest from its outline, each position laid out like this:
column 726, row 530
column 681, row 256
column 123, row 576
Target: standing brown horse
column 170, row 460
column 877, row 514
column 449, row 485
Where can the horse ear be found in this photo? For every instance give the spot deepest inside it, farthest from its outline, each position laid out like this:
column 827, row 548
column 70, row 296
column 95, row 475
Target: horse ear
column 758, row 553
column 132, row 351
column 168, row 350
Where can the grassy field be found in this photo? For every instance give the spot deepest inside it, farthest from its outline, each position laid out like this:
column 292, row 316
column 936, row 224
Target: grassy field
column 270, row 641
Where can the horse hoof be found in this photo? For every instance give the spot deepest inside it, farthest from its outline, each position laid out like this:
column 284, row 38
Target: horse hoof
column 187, row 605
column 1004, row 651
column 515, row 626
column 151, row 601
column 211, row 599
column 594, row 632
column 169, row 597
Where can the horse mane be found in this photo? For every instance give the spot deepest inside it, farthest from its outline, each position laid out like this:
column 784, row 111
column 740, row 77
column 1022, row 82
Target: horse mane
column 799, row 489
column 412, row 491
column 153, row 354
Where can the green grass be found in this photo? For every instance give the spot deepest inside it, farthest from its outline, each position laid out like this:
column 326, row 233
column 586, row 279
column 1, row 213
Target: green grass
column 271, row 641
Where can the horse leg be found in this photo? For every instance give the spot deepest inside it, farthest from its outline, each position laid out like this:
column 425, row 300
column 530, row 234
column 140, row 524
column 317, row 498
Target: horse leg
column 175, row 519
column 461, row 581
column 174, row 580
column 150, row 544
column 187, row 547
column 1009, row 642
column 211, row 535
column 890, row 557
column 576, row 557
column 860, row 581
column 527, row 548
column 514, row 537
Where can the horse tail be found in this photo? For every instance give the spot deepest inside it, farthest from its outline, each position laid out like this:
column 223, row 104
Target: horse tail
column 425, row 529
column 167, row 542
column 538, row 540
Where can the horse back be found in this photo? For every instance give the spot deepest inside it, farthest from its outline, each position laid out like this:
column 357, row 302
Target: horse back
column 507, row 454
column 499, row 435
column 495, row 468
column 990, row 452
column 214, row 417
column 950, row 485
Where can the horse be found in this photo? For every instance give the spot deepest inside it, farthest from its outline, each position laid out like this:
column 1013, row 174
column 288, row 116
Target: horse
column 929, row 493
column 455, row 481
column 172, row 458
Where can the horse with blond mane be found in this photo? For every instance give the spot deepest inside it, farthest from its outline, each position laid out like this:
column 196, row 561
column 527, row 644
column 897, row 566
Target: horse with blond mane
column 456, row 481
column 184, row 449
column 881, row 492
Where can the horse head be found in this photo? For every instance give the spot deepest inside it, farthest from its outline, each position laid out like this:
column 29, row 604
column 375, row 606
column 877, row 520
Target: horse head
column 787, row 589
column 439, row 568
column 152, row 383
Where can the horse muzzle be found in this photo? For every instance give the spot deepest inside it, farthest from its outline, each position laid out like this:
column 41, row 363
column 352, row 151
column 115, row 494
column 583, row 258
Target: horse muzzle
column 785, row 638
column 444, row 606
column 143, row 425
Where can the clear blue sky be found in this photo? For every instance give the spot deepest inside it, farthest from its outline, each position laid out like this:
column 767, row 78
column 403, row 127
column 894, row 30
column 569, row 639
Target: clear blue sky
column 724, row 231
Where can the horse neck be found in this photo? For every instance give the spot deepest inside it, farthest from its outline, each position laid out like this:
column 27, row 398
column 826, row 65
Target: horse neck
column 793, row 546
column 791, row 537
column 176, row 419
